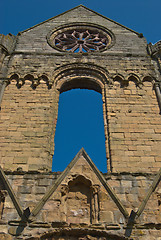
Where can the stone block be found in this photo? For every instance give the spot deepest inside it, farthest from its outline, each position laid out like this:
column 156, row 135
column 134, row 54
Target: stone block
column 44, row 182
column 25, row 189
column 107, row 217
column 20, row 160
column 126, row 184
column 40, row 190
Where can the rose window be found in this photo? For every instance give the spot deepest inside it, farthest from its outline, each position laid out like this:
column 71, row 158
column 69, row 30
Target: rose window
column 80, row 39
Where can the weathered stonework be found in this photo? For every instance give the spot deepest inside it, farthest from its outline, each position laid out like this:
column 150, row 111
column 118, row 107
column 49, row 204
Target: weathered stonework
column 80, row 203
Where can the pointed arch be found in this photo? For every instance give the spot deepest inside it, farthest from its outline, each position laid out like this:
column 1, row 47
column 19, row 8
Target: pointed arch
column 121, row 80
column 44, row 78
column 134, row 78
column 148, row 81
column 118, row 77
column 148, row 78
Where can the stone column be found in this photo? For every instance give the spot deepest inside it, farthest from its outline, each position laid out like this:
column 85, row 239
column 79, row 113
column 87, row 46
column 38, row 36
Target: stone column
column 155, row 53
column 157, row 87
column 95, row 204
column 7, row 45
column 106, row 129
column 3, row 84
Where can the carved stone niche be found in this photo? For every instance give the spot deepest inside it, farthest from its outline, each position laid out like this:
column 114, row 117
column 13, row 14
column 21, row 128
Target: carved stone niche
column 80, row 201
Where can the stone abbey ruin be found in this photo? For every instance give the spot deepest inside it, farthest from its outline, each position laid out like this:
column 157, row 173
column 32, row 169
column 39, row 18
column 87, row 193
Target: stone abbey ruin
column 80, row 49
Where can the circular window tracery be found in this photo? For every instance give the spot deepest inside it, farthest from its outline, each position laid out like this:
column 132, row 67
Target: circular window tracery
column 80, row 39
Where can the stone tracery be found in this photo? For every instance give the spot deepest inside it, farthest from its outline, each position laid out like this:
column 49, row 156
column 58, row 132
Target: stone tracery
column 81, row 37
column 82, row 40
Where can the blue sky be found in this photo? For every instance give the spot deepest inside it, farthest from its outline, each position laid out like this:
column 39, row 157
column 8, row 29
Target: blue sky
column 139, row 15
column 80, row 121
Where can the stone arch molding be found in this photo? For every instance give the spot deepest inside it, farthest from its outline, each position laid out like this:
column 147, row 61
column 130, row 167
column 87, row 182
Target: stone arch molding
column 78, row 234
column 126, row 79
column 34, row 79
column 79, row 75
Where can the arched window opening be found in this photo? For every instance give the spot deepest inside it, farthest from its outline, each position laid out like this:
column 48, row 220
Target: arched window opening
column 82, row 83
column 80, row 124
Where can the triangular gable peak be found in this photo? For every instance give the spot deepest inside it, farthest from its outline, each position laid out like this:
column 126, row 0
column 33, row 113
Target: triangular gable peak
column 82, row 178
column 87, row 10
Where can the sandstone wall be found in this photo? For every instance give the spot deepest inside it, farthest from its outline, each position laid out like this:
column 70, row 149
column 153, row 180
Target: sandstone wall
column 28, row 125
column 134, row 126
column 131, row 190
column 79, row 204
column 131, row 116
column 33, row 74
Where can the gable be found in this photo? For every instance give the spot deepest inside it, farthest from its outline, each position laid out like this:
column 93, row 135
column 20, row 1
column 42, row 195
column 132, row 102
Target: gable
column 80, row 195
column 35, row 38
column 83, row 11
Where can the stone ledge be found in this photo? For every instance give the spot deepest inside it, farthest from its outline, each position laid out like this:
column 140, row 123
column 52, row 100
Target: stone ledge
column 106, row 175
column 84, row 54
column 149, row 226
column 30, row 172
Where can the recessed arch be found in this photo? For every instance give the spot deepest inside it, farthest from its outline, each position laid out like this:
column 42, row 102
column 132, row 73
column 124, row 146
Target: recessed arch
column 82, row 83
column 118, row 77
column 148, row 78
column 80, row 178
column 84, row 76
column 134, row 78
column 14, row 76
column 121, row 80
column 19, row 81
column 148, row 81
column 34, row 80
column 44, row 78
column 29, row 77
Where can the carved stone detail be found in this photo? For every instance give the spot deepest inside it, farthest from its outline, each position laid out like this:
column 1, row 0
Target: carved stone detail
column 81, row 41
column 7, row 42
column 155, row 49
column 81, row 38
column 80, row 200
